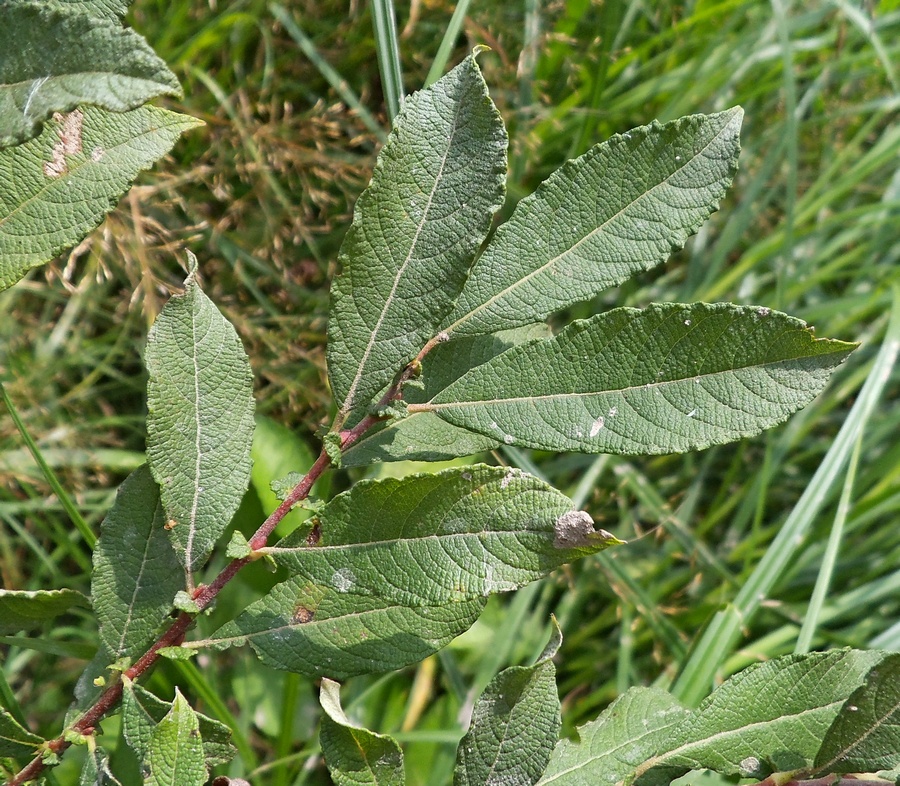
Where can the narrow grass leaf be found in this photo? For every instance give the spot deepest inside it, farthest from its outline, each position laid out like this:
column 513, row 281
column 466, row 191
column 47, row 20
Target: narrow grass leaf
column 15, row 740
column 325, row 630
column 136, row 573
column 438, row 180
column 865, row 737
column 55, row 189
column 355, row 756
column 665, row 379
column 200, row 420
column 432, row 539
column 142, row 712
column 22, row 610
column 387, row 52
column 622, row 207
column 175, row 752
column 57, row 58
column 769, row 718
column 424, row 436
column 629, row 731
column 515, row 725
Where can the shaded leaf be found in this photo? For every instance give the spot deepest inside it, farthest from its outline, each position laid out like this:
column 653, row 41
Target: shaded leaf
column 768, row 718
column 665, row 379
column 136, row 573
column 356, row 756
column 55, row 189
column 199, row 422
column 142, row 711
column 515, row 724
column 633, row 728
column 14, row 739
column 56, row 58
column 437, row 182
column 432, row 539
column 622, row 207
column 175, row 751
column 424, row 436
column 95, row 770
column 326, row 631
column 22, row 610
column 865, row 736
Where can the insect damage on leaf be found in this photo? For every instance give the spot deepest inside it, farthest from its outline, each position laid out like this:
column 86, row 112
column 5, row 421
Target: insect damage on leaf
column 576, row 528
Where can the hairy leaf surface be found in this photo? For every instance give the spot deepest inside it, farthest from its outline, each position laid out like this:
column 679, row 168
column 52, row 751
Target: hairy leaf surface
column 14, row 739
column 330, row 631
column 55, row 189
column 175, row 752
column 424, row 436
column 768, row 718
column 136, row 573
column 515, row 724
column 356, row 756
column 108, row 9
column 56, row 57
column 632, row 729
column 622, row 207
column 438, row 180
column 200, row 420
column 665, row 379
column 865, row 736
column 432, row 539
column 28, row 609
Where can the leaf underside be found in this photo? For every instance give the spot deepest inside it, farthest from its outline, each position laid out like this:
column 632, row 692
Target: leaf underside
column 56, row 57
column 622, row 207
column 55, row 189
column 136, row 573
column 437, row 182
column 665, row 379
column 106, row 9
column 22, row 610
column 200, row 420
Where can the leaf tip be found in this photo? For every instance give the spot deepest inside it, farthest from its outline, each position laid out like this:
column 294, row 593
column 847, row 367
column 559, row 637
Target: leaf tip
column 575, row 529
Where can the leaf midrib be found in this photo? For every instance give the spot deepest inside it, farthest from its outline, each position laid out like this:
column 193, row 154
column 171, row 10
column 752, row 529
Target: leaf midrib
column 602, row 227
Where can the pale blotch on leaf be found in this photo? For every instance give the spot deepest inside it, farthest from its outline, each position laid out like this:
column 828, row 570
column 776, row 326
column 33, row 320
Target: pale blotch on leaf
column 343, row 580
column 597, row 425
column 69, row 143
column 575, row 529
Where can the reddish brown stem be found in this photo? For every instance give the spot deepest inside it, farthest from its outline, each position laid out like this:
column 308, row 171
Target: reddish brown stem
column 204, row 595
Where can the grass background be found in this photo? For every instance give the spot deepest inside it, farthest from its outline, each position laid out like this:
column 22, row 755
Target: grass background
column 295, row 109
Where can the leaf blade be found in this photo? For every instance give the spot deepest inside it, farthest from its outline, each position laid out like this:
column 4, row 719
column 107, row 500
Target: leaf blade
column 200, row 420
column 588, row 227
column 437, row 182
column 136, row 573
column 175, row 751
column 701, row 375
column 54, row 192
column 64, row 58
column 25, row 609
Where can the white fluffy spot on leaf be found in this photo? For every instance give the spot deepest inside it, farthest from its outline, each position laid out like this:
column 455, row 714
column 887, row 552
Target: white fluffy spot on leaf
column 343, row 580
column 573, row 529
column 69, row 143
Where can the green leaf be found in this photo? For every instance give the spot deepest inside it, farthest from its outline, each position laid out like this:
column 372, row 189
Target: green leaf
column 107, row 9
column 633, row 728
column 55, row 189
column 14, row 739
column 142, row 711
column 665, row 379
column 325, row 630
column 865, row 736
column 432, row 539
column 56, row 58
column 25, row 610
column 95, row 770
column 136, row 573
column 768, row 718
column 175, row 751
column 200, row 420
column 515, row 724
column 438, row 180
column 356, row 756
column 622, row 207
column 424, row 436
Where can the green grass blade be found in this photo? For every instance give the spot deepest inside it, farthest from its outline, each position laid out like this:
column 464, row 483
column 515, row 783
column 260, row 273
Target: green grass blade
column 446, row 48
column 829, row 561
column 724, row 631
column 49, row 475
column 337, row 82
column 388, row 52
